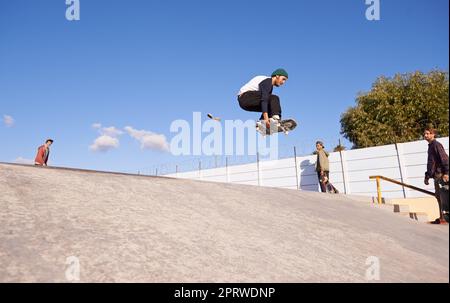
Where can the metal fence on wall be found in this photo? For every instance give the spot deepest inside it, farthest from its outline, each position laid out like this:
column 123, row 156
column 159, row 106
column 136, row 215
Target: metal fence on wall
column 349, row 170
column 219, row 161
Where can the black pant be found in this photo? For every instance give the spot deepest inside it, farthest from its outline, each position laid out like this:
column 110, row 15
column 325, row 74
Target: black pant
column 251, row 101
column 323, row 185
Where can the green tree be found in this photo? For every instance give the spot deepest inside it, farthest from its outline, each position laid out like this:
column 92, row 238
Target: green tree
column 398, row 109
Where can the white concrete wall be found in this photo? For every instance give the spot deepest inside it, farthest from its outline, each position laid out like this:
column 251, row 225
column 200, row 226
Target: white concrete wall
column 357, row 165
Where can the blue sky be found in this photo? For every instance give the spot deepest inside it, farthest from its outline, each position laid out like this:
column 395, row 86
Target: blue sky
column 145, row 63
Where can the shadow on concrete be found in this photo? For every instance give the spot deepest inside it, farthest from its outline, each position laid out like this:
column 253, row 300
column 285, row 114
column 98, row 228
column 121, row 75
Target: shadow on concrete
column 308, row 176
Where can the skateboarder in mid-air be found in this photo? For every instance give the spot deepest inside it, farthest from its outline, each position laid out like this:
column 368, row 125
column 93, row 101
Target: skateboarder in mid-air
column 256, row 96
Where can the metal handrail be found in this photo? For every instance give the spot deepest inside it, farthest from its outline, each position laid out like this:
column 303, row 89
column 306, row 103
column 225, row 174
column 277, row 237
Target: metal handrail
column 378, row 178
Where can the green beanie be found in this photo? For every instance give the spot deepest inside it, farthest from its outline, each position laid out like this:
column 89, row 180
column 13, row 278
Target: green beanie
column 280, row 72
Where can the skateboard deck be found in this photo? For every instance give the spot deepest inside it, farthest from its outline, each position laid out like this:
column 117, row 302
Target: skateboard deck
column 210, row 116
column 284, row 126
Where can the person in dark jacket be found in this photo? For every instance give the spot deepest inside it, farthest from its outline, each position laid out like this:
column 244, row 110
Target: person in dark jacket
column 43, row 153
column 437, row 164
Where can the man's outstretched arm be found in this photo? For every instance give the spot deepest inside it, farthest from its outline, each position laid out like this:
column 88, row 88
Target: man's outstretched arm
column 266, row 89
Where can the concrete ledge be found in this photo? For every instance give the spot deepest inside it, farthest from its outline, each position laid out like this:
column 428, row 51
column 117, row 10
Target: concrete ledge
column 70, row 169
column 403, row 210
column 420, row 206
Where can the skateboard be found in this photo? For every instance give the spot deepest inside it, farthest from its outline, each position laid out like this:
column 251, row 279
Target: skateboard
column 210, row 116
column 284, row 126
column 329, row 187
column 443, row 191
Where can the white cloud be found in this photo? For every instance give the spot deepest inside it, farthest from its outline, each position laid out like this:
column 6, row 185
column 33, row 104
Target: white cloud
column 21, row 160
column 104, row 143
column 107, row 131
column 111, row 131
column 8, row 120
column 149, row 140
column 107, row 140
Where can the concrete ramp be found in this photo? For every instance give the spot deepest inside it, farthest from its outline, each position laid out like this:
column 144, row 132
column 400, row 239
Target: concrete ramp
column 125, row 228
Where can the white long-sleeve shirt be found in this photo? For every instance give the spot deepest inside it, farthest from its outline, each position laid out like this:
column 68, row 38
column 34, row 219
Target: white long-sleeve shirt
column 253, row 85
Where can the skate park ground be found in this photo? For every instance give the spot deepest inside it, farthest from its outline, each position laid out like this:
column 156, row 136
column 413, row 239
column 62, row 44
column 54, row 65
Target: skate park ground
column 129, row 228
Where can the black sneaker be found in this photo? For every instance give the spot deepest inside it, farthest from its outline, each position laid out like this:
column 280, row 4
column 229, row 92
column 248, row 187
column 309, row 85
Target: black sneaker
column 445, row 215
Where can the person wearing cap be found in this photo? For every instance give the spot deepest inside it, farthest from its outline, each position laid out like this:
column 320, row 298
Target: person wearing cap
column 322, row 166
column 43, row 153
column 256, row 96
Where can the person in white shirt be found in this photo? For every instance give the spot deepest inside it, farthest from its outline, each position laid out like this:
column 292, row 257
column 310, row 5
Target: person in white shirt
column 256, row 96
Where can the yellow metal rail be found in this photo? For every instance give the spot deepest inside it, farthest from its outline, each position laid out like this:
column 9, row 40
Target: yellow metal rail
column 379, row 178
